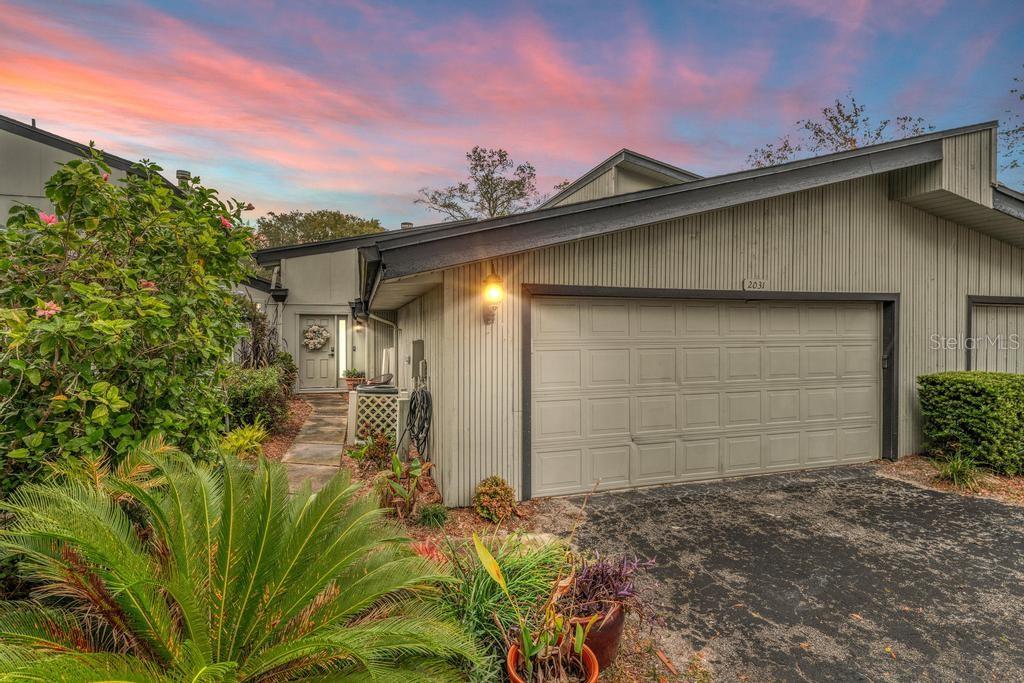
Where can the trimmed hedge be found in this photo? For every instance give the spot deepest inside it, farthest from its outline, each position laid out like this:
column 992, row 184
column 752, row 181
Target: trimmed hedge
column 975, row 414
column 256, row 395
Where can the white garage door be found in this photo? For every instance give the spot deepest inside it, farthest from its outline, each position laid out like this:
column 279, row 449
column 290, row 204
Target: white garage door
column 635, row 392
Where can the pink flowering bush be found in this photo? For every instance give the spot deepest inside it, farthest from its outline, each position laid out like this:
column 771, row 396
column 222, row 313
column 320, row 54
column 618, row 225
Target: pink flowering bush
column 116, row 315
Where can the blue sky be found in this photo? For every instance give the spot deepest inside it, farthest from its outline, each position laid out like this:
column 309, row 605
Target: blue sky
column 356, row 105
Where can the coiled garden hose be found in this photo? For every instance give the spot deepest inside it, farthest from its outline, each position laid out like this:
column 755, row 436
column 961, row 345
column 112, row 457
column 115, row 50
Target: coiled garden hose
column 417, row 424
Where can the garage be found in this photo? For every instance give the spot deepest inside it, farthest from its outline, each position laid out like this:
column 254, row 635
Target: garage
column 996, row 325
column 631, row 391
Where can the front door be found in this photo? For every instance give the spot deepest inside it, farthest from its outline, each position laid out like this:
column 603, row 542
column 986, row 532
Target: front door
column 318, row 365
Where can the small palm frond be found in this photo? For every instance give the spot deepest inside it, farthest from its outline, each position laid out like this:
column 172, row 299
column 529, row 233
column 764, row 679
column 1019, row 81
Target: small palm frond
column 32, row 625
column 84, row 668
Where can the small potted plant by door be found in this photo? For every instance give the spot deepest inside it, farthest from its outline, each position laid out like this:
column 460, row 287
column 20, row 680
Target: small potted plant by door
column 353, row 378
column 601, row 592
column 545, row 648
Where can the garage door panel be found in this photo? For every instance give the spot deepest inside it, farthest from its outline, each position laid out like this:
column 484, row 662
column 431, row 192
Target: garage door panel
column 557, row 320
column 742, row 454
column 742, row 363
column 695, row 458
column 699, row 320
column 656, row 366
column 557, row 369
column 610, row 466
column 607, row 368
column 820, row 361
column 700, row 411
column 782, row 406
column 654, row 462
column 741, row 320
column 559, row 419
column 820, row 404
column 608, row 320
column 820, row 446
column 782, row 451
column 655, row 391
column 608, row 417
column 654, row 413
column 742, row 408
column 700, row 364
column 782, row 362
column 818, row 319
column 655, row 320
column 782, row 320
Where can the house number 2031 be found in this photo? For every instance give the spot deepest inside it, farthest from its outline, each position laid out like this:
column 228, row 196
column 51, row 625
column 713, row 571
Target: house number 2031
column 754, row 285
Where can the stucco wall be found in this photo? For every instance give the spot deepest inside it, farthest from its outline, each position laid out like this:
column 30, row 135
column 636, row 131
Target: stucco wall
column 847, row 237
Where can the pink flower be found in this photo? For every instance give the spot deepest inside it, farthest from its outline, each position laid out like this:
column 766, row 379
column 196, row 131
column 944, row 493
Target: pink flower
column 106, row 177
column 225, row 223
column 148, row 284
column 48, row 218
column 48, row 310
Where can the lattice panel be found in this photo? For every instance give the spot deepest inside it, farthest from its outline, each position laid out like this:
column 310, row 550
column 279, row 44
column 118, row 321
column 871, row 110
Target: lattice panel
column 376, row 413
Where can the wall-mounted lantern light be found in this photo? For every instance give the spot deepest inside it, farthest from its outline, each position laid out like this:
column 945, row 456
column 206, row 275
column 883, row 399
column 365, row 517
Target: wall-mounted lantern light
column 494, row 293
column 359, row 325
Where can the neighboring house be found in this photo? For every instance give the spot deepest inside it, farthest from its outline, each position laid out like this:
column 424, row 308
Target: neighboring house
column 30, row 155
column 768, row 320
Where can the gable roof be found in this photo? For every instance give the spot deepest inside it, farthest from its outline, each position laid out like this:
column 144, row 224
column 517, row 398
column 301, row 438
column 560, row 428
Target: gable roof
column 403, row 255
column 30, row 132
column 628, row 159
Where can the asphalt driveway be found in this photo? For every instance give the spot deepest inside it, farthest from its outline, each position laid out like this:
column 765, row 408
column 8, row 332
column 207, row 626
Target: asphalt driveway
column 833, row 575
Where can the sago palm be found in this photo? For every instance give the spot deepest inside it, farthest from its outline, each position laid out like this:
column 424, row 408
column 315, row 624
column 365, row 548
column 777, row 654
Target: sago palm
column 218, row 574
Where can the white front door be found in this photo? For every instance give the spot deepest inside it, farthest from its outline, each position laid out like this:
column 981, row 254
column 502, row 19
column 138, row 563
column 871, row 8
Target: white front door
column 318, row 367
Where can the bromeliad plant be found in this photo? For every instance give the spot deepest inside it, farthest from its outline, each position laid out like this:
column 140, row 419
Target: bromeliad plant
column 401, row 488
column 549, row 648
column 228, row 579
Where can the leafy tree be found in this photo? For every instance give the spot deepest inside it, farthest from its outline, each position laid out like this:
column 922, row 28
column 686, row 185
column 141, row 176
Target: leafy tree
column 842, row 125
column 299, row 227
column 228, row 578
column 116, row 315
column 496, row 186
column 1013, row 130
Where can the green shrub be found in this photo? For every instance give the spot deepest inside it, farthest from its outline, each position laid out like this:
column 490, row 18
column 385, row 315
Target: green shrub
column 375, row 453
column 494, row 499
column 232, row 578
column 959, row 470
column 433, row 515
column 116, row 316
column 975, row 415
column 289, row 372
column 244, row 442
column 256, row 396
column 530, row 572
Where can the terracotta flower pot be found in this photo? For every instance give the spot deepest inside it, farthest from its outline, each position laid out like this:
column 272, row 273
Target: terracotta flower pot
column 354, row 382
column 604, row 636
column 589, row 665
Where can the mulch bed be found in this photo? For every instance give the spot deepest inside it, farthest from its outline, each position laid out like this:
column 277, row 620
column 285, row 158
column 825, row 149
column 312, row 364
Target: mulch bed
column 919, row 470
column 278, row 443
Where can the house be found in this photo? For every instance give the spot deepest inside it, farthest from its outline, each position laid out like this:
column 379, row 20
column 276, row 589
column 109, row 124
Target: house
column 30, row 155
column 656, row 326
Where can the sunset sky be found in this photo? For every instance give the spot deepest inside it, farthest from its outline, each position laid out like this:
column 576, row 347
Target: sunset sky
column 356, row 105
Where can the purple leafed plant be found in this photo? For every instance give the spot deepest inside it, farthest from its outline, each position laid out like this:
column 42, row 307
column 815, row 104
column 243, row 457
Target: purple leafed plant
column 601, row 582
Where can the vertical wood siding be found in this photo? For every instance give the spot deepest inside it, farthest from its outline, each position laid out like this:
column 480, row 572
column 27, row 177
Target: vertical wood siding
column 601, row 186
column 967, row 165
column 844, row 237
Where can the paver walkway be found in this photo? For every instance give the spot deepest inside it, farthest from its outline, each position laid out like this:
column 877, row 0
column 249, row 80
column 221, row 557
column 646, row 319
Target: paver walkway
column 315, row 455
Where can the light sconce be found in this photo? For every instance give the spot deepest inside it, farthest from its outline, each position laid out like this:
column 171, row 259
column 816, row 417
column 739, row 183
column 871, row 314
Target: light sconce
column 359, row 325
column 494, row 294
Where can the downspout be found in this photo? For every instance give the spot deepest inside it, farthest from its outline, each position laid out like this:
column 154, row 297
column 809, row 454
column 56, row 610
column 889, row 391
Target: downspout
column 275, row 278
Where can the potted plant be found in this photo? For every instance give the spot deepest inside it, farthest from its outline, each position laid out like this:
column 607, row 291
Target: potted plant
column 600, row 593
column 554, row 649
column 353, row 378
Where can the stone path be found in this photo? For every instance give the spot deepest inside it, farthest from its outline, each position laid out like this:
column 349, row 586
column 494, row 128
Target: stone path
column 315, row 455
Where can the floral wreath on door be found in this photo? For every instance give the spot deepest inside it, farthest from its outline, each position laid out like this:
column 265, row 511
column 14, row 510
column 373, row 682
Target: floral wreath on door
column 315, row 337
